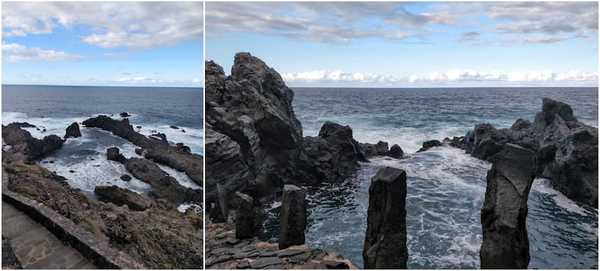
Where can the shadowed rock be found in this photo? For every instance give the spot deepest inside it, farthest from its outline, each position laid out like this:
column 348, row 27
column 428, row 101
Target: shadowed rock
column 28, row 147
column 396, row 152
column 292, row 217
column 369, row 150
column 385, row 239
column 504, row 213
column 430, row 144
column 114, row 154
column 245, row 218
column 120, row 196
column 73, row 131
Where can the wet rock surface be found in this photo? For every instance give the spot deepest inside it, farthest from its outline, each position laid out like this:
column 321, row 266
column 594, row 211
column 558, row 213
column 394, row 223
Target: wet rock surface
column 157, row 150
column 73, row 131
column 567, row 149
column 225, row 251
column 385, row 239
column 504, row 213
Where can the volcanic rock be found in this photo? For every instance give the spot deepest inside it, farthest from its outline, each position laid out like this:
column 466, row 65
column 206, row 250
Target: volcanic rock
column 292, row 217
column 430, row 144
column 113, row 154
column 73, row 131
column 120, row 196
column 385, row 239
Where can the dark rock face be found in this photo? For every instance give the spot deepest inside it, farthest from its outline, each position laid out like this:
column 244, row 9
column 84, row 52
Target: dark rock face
column 9, row 259
column 73, row 131
column 504, row 214
column 163, row 185
column 369, row 150
column 245, row 218
column 124, row 115
column 254, row 141
column 157, row 150
column 396, row 152
column 566, row 149
column 292, row 217
column 385, row 240
column 114, row 154
column 120, row 196
column 430, row 144
column 29, row 147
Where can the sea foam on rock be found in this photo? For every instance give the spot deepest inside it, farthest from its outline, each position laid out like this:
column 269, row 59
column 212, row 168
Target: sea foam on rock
column 567, row 150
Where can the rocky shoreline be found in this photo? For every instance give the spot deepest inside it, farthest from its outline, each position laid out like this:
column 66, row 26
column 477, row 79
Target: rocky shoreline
column 255, row 147
column 147, row 227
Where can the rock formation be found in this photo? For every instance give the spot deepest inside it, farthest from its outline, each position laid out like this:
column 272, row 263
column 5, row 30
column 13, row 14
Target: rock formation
column 244, row 220
column 114, row 154
column 385, row 239
column 504, row 214
column 157, row 150
column 30, row 148
column 292, row 217
column 430, row 144
column 567, row 149
column 73, row 131
column 120, row 196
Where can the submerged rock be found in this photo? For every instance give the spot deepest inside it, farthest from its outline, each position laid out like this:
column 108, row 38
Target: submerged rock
column 125, row 178
column 385, row 239
column 504, row 214
column 73, row 131
column 120, row 196
column 292, row 217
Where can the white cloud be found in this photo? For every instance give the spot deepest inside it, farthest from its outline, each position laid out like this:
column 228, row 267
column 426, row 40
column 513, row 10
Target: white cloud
column 16, row 53
column 451, row 76
column 112, row 24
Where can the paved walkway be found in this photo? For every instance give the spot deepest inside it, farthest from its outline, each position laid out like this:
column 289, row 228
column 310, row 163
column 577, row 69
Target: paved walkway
column 35, row 246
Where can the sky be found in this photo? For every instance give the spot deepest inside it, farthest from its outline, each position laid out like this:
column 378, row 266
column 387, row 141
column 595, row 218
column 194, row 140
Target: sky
column 419, row 44
column 103, row 43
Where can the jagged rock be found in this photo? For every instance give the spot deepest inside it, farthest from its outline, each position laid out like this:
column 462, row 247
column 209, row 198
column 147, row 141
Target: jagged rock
column 292, row 217
column 139, row 151
column 430, row 144
column 159, row 136
column 504, row 214
column 395, row 152
column 566, row 148
column 157, row 150
column 27, row 146
column 125, row 178
column 369, row 150
column 73, row 131
column 163, row 185
column 113, row 154
column 120, row 196
column 23, row 124
column 244, row 220
column 385, row 239
column 124, row 115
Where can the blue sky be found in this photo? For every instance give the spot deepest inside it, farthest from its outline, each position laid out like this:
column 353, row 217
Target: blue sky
column 412, row 44
column 118, row 43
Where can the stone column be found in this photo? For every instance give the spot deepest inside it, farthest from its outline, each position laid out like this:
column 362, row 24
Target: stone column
column 292, row 217
column 245, row 226
column 504, row 214
column 385, row 240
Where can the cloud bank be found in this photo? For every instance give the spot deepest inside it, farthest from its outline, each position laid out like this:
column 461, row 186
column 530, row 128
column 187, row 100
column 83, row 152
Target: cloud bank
column 111, row 24
column 451, row 76
column 15, row 53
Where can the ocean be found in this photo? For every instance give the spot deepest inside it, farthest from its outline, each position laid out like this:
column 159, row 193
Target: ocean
column 446, row 187
column 83, row 160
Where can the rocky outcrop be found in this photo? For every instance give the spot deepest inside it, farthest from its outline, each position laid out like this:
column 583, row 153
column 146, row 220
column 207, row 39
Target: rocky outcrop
column 157, row 150
column 28, row 147
column 114, row 154
column 292, row 217
column 504, row 214
column 430, row 144
column 567, row 149
column 120, row 196
column 254, row 141
column 245, row 217
column 225, row 251
column 385, row 239
column 73, row 131
column 379, row 149
column 158, row 237
column 395, row 152
column 163, row 185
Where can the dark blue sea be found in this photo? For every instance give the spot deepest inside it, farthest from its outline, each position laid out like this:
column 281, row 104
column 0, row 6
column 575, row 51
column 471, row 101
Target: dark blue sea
column 83, row 160
column 446, row 187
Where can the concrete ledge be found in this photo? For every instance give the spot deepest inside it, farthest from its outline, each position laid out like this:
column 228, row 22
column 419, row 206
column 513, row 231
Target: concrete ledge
column 99, row 252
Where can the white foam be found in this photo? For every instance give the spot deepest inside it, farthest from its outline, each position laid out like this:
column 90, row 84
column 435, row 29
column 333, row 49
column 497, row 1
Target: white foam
column 182, row 178
column 544, row 186
column 185, row 206
column 192, row 137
